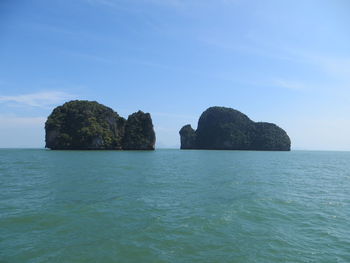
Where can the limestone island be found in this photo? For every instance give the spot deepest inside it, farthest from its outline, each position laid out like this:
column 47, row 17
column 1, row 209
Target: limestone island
column 221, row 128
column 89, row 125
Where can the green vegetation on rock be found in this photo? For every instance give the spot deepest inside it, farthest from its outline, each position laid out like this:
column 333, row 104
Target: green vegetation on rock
column 139, row 134
column 88, row 125
column 222, row 128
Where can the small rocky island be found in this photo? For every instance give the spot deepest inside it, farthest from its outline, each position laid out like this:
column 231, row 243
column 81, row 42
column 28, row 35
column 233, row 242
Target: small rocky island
column 221, row 128
column 89, row 125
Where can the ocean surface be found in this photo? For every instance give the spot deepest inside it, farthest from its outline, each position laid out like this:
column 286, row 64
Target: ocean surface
column 174, row 206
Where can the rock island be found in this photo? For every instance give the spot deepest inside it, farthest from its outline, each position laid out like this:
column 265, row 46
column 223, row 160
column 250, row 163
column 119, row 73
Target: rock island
column 221, row 128
column 89, row 125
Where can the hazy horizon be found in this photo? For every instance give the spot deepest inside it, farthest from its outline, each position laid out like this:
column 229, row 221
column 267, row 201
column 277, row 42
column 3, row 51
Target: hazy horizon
column 282, row 62
column 169, row 148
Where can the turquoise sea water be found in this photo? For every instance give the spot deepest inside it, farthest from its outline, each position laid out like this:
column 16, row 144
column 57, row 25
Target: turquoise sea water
column 174, row 206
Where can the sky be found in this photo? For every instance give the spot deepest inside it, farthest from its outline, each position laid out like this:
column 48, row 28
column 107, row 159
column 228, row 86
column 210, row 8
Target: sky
column 286, row 62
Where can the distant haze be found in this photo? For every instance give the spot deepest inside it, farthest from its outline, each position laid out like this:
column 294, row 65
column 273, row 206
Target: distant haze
column 286, row 62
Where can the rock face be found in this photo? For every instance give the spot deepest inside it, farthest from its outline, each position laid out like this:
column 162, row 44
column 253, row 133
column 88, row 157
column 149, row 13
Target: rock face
column 139, row 133
column 88, row 125
column 188, row 137
column 221, row 128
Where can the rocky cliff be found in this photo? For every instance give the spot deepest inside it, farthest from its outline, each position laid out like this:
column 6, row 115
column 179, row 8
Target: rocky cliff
column 222, row 128
column 188, row 137
column 88, row 125
column 139, row 134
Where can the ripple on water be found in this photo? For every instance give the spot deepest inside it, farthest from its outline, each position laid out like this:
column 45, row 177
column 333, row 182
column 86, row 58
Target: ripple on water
column 174, row 206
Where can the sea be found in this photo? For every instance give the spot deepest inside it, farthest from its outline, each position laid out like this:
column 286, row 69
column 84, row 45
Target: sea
column 174, row 206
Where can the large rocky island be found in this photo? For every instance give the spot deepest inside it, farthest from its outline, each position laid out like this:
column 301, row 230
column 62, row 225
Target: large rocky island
column 88, row 125
column 221, row 128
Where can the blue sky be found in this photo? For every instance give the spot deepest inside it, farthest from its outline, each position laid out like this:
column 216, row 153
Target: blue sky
column 286, row 62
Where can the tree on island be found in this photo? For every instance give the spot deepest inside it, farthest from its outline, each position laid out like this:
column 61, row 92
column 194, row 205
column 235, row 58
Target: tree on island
column 89, row 125
column 221, row 128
